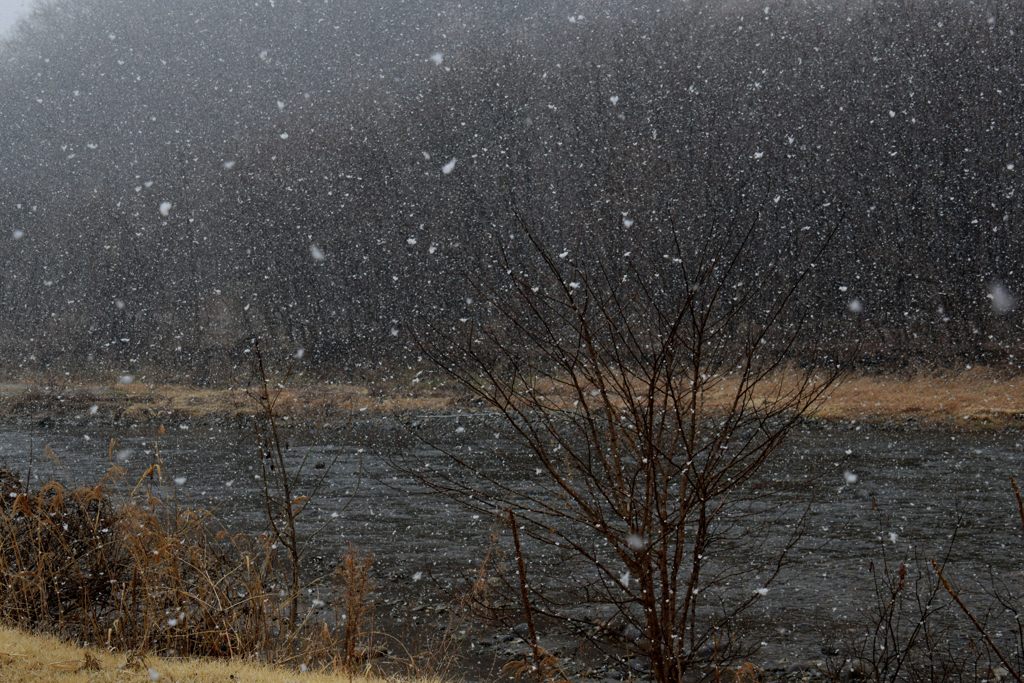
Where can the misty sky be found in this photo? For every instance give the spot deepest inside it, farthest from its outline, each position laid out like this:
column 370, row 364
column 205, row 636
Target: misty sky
column 11, row 11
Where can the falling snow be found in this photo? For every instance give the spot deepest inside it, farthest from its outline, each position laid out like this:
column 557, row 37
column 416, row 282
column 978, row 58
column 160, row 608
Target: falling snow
column 652, row 203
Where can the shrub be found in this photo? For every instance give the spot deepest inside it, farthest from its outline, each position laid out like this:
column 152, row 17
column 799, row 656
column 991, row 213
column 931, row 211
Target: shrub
column 649, row 387
column 134, row 572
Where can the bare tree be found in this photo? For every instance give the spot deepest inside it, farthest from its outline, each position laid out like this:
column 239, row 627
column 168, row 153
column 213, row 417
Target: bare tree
column 907, row 632
column 289, row 490
column 999, row 626
column 650, row 387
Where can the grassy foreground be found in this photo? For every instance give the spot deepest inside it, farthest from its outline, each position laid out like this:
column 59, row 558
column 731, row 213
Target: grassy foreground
column 31, row 658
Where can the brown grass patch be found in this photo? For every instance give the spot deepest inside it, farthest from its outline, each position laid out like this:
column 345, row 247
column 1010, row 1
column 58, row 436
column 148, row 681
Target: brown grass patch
column 298, row 401
column 974, row 398
column 34, row 658
column 978, row 397
column 137, row 573
column 141, row 401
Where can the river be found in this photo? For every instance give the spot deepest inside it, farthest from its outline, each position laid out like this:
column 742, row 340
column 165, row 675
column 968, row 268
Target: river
column 871, row 490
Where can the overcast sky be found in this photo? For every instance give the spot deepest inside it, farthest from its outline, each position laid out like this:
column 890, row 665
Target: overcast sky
column 11, row 11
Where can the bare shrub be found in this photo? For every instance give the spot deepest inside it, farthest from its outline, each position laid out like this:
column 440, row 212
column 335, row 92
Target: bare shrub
column 136, row 575
column 1000, row 624
column 131, row 568
column 649, row 389
column 285, row 497
column 57, row 557
column 908, row 631
column 142, row 574
column 352, row 578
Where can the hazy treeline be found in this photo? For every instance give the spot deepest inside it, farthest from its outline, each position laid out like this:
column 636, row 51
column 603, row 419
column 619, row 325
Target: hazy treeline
column 181, row 174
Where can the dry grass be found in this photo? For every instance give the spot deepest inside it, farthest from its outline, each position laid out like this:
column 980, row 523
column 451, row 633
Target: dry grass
column 977, row 397
column 141, row 401
column 974, row 398
column 138, row 573
column 31, row 658
column 298, row 401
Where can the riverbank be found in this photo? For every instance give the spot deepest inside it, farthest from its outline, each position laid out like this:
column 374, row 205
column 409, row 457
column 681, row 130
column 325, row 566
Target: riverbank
column 33, row 658
column 977, row 398
column 915, row 481
column 143, row 402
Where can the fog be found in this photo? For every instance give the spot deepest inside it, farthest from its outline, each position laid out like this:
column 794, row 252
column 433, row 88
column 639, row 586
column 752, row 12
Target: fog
column 11, row 11
column 590, row 269
column 186, row 175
